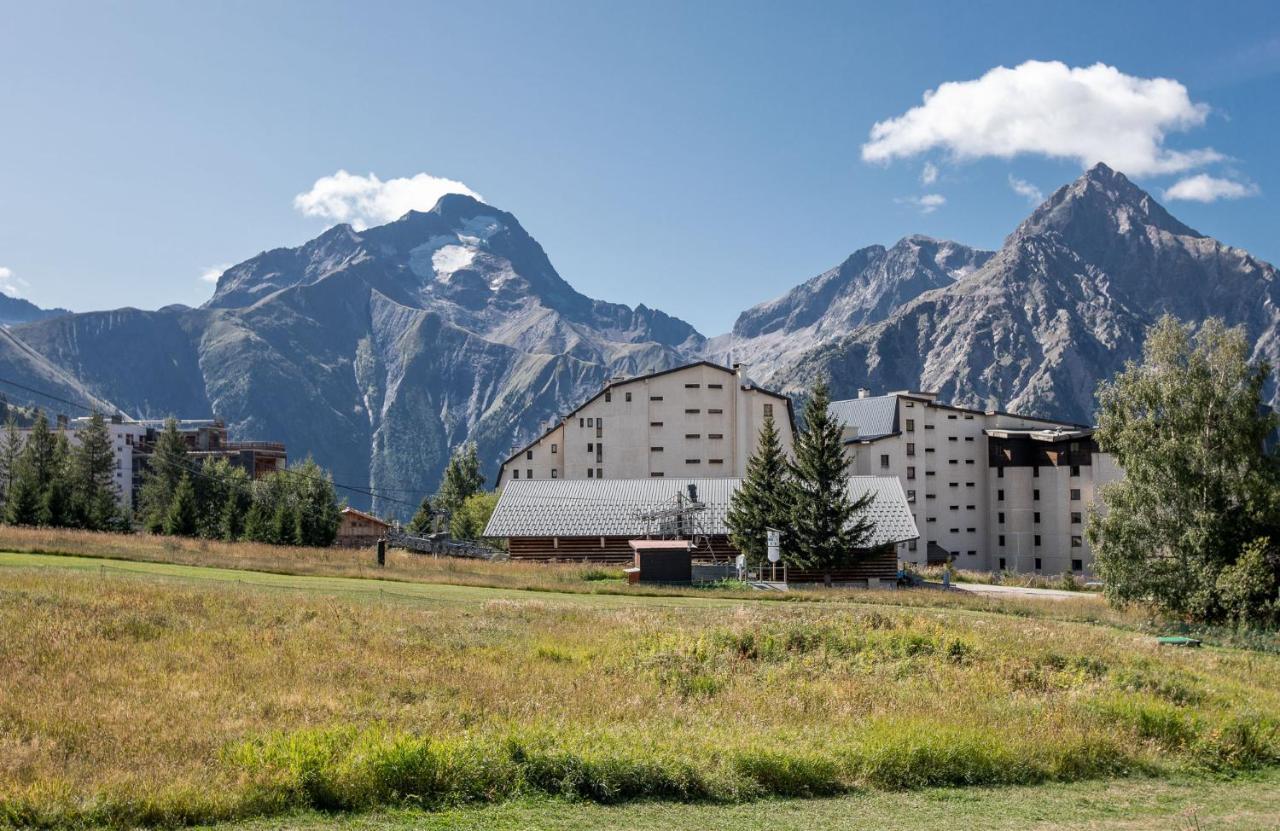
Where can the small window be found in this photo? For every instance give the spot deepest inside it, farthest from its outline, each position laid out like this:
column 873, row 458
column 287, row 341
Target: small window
column 911, row 448
column 515, row 473
column 692, row 411
column 927, row 426
column 1035, row 494
column 930, row 496
column 1076, row 518
column 693, row 435
column 1037, row 563
column 1075, row 470
column 911, row 473
column 968, row 461
column 953, row 461
column 1002, row 558
column 1077, row 541
column 970, row 531
column 1000, row 517
column 608, row 397
column 628, row 397
column 968, row 418
column 591, row 422
column 656, row 474
column 952, row 438
column 1036, row 517
column 1036, row 541
column 715, row 435
column 655, row 449
column 968, row 507
column 884, row 460
column 1000, row 475
column 953, row 484
column 1077, row 565
column 655, row 398
column 1035, row 472
column 932, row 519
column 911, row 496
column 590, row 473
column 715, row 412
column 528, row 454
column 968, row 438
column 970, row 484
column 582, row 422
column 591, row 447
column 554, row 474
column 768, row 411
column 692, row 386
column 973, row 553
column 599, row 473
column 715, row 461
column 955, row 507
column 555, row 448
column 951, row 418
column 1075, row 494
column 911, row 425
column 1001, row 542
column 911, row 545
column 528, row 474
column 955, row 530
column 693, row 461
column 655, row 424
column 1000, row 494
column 715, row 386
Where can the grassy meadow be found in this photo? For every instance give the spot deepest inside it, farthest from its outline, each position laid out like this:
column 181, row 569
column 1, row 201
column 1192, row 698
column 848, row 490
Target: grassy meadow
column 149, row 694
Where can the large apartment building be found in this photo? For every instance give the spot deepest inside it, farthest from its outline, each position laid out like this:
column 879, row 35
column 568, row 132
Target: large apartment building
column 693, row 421
column 989, row 490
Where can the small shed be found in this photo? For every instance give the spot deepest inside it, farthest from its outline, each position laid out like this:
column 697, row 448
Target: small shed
column 356, row 529
column 663, row 561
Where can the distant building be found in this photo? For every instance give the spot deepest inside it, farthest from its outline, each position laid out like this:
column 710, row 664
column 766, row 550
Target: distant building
column 697, row 420
column 356, row 529
column 989, row 490
column 595, row 520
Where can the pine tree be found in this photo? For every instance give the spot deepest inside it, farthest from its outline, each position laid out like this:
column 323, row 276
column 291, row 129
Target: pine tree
column 764, row 499
column 180, row 519
column 284, row 524
column 93, row 464
column 10, row 450
column 317, row 508
column 423, row 521
column 230, row 526
column 35, row 472
column 56, row 509
column 827, row 527
column 462, row 478
column 257, row 523
column 165, row 469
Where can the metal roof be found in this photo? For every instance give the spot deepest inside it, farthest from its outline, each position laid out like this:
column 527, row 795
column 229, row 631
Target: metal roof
column 609, row 507
column 874, row 417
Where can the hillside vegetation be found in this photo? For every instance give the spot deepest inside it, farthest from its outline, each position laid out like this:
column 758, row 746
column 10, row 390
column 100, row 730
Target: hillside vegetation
column 158, row 699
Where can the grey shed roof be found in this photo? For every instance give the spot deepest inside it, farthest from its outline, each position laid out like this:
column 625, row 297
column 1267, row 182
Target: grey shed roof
column 874, row 417
column 608, row 507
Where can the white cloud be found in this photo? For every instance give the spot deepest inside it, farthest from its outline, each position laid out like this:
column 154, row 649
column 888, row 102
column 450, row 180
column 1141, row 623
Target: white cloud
column 1026, row 190
column 1089, row 114
column 1205, row 188
column 367, row 200
column 11, row 284
column 930, row 174
column 212, row 273
column 927, row 204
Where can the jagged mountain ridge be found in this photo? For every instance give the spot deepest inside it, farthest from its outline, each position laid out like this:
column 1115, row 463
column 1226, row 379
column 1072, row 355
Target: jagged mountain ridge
column 14, row 310
column 864, row 289
column 374, row 351
column 1062, row 305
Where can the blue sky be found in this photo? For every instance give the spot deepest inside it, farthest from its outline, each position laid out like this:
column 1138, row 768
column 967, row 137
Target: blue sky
column 696, row 157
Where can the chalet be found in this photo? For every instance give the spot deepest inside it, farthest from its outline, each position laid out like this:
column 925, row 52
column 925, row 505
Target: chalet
column 358, row 529
column 595, row 520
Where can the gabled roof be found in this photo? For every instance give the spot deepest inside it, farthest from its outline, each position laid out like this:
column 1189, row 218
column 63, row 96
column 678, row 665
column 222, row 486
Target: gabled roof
column 609, row 507
column 622, row 382
column 363, row 515
column 875, row 417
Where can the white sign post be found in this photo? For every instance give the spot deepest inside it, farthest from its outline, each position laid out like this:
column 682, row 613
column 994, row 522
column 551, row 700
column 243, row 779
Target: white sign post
column 775, row 550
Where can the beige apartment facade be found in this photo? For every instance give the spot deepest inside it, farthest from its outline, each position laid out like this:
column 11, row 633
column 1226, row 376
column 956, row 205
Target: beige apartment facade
column 990, row 491
column 697, row 420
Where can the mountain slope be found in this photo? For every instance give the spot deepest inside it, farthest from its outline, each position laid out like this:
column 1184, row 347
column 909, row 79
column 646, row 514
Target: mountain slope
column 376, row 351
column 864, row 289
column 15, row 310
column 1063, row 304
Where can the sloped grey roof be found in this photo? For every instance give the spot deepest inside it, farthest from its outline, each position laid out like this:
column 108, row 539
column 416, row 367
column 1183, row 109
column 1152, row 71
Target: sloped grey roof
column 874, row 417
column 608, row 507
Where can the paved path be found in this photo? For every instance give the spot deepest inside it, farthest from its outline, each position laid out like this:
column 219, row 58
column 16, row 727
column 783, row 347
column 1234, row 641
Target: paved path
column 1022, row 591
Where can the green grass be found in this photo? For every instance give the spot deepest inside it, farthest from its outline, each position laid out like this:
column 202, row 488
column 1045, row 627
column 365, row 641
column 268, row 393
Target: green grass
column 158, row 694
column 1241, row 804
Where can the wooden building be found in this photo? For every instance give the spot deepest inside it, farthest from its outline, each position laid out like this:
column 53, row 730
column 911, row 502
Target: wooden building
column 358, row 529
column 595, row 520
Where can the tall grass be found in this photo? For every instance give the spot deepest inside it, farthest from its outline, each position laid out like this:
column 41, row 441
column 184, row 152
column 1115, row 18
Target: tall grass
column 132, row 702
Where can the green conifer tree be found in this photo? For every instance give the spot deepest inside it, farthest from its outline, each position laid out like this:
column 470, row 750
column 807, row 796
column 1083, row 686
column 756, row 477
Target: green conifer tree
column 318, row 513
column 180, row 520
column 423, row 521
column 10, row 451
column 257, row 522
column 827, row 526
column 165, row 469
column 35, row 472
column 92, row 470
column 462, row 478
column 764, row 499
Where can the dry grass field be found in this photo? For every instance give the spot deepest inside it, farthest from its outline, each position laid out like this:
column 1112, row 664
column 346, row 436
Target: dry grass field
column 157, row 695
